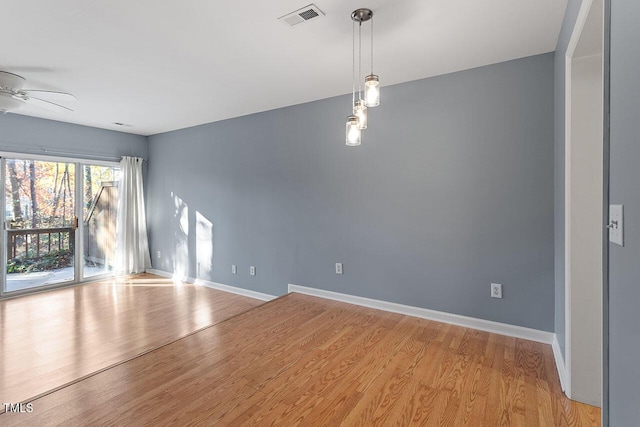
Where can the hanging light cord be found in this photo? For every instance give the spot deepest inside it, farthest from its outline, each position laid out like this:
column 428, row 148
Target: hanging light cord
column 371, row 44
column 359, row 60
column 353, row 63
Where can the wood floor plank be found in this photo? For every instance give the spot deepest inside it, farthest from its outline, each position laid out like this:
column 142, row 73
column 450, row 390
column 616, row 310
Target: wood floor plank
column 406, row 374
column 301, row 360
column 52, row 338
column 472, row 393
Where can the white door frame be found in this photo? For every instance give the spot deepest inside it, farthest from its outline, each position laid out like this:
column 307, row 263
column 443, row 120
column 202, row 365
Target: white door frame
column 581, row 21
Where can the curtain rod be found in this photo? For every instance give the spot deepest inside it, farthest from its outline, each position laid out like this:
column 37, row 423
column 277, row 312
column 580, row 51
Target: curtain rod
column 47, row 152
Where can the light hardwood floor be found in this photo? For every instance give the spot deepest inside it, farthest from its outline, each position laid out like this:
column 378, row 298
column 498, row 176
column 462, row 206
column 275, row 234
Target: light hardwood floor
column 300, row 360
column 52, row 338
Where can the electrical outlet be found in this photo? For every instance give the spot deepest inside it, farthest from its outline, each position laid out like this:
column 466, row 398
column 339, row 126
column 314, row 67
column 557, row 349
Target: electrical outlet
column 338, row 268
column 158, row 254
column 234, row 269
column 496, row 290
column 252, row 270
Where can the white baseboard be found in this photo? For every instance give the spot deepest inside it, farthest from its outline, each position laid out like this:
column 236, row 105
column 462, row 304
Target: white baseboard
column 439, row 316
column 232, row 289
column 214, row 285
column 160, row 273
column 560, row 365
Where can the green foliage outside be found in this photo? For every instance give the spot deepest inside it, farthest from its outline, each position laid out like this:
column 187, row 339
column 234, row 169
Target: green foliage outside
column 51, row 261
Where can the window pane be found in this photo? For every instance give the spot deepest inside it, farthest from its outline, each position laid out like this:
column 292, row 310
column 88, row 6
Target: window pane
column 40, row 221
column 100, row 203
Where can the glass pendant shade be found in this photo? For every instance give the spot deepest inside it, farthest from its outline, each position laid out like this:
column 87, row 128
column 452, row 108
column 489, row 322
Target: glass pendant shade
column 372, row 90
column 353, row 131
column 360, row 111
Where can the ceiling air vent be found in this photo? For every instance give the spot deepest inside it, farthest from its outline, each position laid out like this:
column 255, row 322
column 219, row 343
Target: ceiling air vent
column 301, row 15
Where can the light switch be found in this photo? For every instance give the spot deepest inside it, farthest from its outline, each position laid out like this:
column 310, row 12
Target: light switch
column 616, row 225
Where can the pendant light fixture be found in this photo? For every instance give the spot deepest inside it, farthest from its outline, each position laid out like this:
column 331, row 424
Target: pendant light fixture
column 360, row 111
column 354, row 135
column 357, row 121
column 372, row 81
column 359, row 107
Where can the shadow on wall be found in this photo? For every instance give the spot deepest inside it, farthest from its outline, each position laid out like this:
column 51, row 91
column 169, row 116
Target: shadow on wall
column 204, row 246
column 203, row 242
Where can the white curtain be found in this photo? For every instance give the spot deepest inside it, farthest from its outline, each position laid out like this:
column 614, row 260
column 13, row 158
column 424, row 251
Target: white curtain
column 132, row 246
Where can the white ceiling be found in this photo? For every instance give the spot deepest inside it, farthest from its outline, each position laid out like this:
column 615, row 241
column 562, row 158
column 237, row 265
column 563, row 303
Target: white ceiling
column 162, row 65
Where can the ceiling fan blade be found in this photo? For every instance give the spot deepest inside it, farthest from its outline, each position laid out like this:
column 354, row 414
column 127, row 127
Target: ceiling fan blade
column 47, row 104
column 52, row 94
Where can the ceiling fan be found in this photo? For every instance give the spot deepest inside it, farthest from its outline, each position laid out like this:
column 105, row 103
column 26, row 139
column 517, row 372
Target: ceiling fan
column 13, row 96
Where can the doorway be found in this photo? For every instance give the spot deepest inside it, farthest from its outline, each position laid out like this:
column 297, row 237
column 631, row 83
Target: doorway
column 583, row 205
column 58, row 226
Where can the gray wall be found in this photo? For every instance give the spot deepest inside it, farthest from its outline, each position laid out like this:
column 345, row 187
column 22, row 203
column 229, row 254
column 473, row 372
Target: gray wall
column 624, row 265
column 570, row 16
column 451, row 190
column 32, row 135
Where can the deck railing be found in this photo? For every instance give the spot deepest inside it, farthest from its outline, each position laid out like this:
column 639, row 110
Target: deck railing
column 37, row 242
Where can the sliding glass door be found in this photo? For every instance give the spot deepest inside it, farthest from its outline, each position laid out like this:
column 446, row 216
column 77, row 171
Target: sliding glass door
column 59, row 222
